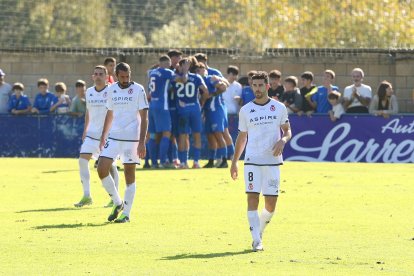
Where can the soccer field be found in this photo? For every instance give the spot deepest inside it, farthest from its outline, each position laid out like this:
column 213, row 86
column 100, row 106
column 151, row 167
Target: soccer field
column 332, row 219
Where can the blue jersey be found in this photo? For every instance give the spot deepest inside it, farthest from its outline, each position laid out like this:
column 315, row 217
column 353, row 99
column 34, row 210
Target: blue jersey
column 214, row 72
column 21, row 103
column 247, row 95
column 214, row 103
column 43, row 103
column 159, row 84
column 321, row 99
column 188, row 93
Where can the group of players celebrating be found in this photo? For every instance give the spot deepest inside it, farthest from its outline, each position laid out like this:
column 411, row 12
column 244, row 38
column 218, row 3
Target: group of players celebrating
column 120, row 115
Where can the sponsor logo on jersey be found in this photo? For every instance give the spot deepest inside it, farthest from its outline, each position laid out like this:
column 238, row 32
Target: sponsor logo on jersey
column 272, row 108
column 263, row 118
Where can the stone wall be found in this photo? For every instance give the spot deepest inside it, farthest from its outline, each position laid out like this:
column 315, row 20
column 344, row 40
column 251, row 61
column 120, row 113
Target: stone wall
column 68, row 66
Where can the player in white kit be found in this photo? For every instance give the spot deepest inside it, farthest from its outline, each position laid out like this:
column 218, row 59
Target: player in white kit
column 261, row 120
column 124, row 132
column 96, row 97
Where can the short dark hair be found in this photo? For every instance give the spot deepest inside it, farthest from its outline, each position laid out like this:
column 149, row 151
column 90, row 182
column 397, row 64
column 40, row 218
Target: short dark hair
column 292, row 79
column 102, row 67
column 233, row 69
column 42, row 81
column 122, row 66
column 109, row 60
column 174, row 53
column 164, row 58
column 80, row 83
column 201, row 57
column 307, row 75
column 60, row 87
column 275, row 74
column 261, row 75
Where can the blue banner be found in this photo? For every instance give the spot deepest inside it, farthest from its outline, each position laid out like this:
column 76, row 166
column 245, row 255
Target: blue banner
column 352, row 139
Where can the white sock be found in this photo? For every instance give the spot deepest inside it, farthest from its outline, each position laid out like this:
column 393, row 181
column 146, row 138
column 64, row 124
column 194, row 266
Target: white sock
column 109, row 186
column 254, row 223
column 265, row 218
column 85, row 176
column 115, row 175
column 129, row 198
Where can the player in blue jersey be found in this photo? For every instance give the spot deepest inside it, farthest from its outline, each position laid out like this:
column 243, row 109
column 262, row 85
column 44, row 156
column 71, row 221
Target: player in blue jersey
column 159, row 115
column 189, row 114
column 44, row 99
column 247, row 92
column 212, row 141
column 214, row 113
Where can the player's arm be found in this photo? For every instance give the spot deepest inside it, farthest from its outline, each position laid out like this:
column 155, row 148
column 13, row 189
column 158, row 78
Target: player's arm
column 238, row 150
column 143, row 132
column 86, row 125
column 280, row 145
column 204, row 94
column 107, row 125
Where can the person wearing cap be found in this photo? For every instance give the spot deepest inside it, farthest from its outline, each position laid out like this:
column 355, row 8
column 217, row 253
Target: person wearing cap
column 78, row 105
column 19, row 103
column 5, row 92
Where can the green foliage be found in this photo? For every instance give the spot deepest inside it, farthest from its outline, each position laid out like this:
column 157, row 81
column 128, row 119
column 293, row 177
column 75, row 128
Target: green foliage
column 331, row 219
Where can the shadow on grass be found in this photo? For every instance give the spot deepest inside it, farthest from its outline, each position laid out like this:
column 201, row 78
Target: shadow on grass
column 58, row 171
column 205, row 256
column 64, row 226
column 49, row 210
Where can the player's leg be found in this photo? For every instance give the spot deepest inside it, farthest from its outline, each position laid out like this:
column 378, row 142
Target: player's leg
column 252, row 179
column 221, row 150
column 129, row 159
column 163, row 125
column 152, row 143
column 195, row 126
column 85, row 179
column 229, row 143
column 183, row 130
column 270, row 184
column 147, row 155
column 173, row 149
column 212, row 142
column 115, row 176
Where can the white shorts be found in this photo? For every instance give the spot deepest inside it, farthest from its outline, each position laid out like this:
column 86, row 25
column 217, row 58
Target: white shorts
column 90, row 146
column 264, row 179
column 127, row 151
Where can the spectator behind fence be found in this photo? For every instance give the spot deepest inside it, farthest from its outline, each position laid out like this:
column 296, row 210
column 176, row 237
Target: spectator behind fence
column 307, row 90
column 110, row 63
column 358, row 95
column 319, row 100
column 233, row 92
column 337, row 108
column 247, row 92
column 78, row 105
column 44, row 99
column 62, row 102
column 291, row 98
column 276, row 89
column 19, row 103
column 384, row 103
column 5, row 92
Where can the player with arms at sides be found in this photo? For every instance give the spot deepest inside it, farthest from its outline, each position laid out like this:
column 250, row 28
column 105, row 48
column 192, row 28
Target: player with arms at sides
column 124, row 132
column 159, row 114
column 96, row 97
column 189, row 114
column 261, row 121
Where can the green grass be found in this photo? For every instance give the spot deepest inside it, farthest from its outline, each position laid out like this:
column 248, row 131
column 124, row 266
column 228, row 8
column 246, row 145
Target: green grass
column 332, row 219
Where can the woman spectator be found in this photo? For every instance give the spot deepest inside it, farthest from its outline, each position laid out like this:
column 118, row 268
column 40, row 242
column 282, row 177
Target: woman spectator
column 384, row 103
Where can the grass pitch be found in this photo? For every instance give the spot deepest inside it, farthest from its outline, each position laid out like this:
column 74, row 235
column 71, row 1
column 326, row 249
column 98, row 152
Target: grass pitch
column 332, row 219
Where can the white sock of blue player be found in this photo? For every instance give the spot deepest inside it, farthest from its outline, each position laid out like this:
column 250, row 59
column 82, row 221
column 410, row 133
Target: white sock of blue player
column 115, row 175
column 85, row 176
column 109, row 186
column 265, row 218
column 129, row 198
column 254, row 223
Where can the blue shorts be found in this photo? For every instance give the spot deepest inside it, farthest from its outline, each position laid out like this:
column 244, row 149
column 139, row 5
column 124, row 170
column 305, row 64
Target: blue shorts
column 189, row 120
column 215, row 122
column 174, row 122
column 159, row 120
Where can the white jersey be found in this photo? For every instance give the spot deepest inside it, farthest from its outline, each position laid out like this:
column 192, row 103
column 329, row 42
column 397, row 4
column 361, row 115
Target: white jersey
column 125, row 104
column 364, row 90
column 96, row 108
column 262, row 124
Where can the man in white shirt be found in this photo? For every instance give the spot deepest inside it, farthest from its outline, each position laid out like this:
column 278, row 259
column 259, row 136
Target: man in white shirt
column 5, row 92
column 124, row 132
column 358, row 95
column 262, row 121
column 233, row 92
